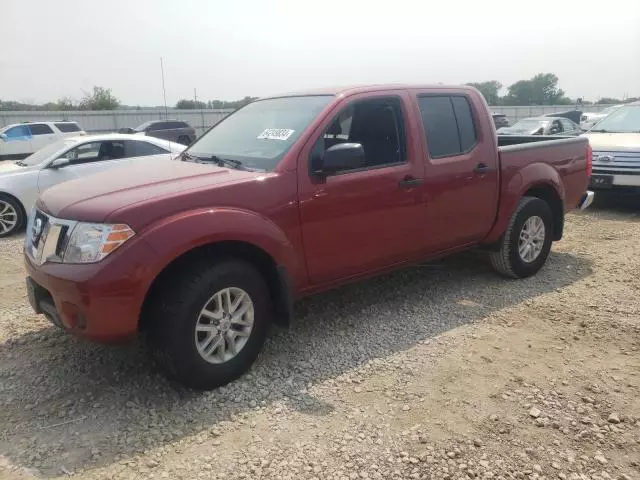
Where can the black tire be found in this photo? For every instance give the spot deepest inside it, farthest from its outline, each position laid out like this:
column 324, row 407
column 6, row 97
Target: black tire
column 10, row 209
column 184, row 140
column 507, row 260
column 173, row 315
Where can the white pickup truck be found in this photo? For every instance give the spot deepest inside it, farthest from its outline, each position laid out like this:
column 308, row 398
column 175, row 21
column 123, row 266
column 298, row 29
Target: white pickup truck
column 22, row 139
column 615, row 141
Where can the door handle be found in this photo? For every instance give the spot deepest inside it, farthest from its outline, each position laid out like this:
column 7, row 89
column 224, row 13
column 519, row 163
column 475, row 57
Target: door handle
column 482, row 168
column 410, row 182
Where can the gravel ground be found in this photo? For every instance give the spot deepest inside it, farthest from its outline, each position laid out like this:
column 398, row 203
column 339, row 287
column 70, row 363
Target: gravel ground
column 440, row 371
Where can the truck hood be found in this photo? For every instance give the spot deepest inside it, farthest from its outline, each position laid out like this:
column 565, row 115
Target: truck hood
column 97, row 197
column 616, row 142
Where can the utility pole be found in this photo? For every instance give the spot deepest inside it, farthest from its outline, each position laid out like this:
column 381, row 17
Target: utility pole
column 164, row 91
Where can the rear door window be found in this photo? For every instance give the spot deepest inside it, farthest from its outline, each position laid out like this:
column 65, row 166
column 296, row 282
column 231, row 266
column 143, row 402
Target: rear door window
column 143, row 149
column 448, row 124
column 67, row 127
column 464, row 119
column 157, row 126
column 40, row 129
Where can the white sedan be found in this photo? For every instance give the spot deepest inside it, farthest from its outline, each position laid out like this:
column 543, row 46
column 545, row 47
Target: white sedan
column 21, row 182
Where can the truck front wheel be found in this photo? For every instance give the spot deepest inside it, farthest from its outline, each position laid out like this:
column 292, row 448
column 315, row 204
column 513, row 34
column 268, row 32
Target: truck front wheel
column 208, row 324
column 526, row 244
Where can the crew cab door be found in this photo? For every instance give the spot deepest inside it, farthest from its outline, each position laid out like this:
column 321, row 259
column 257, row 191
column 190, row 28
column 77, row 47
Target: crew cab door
column 85, row 159
column 366, row 218
column 461, row 177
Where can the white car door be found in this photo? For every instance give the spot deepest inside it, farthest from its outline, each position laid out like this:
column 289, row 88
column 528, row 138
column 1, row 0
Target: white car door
column 41, row 135
column 85, row 159
column 16, row 142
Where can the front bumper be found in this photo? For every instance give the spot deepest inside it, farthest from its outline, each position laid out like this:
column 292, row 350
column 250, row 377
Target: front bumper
column 101, row 301
column 586, row 200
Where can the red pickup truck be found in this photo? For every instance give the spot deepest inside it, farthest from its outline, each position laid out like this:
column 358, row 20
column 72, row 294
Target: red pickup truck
column 286, row 197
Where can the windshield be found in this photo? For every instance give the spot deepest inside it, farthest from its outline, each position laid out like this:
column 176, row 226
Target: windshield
column 528, row 125
column 260, row 134
column 623, row 120
column 44, row 153
column 609, row 110
column 143, row 127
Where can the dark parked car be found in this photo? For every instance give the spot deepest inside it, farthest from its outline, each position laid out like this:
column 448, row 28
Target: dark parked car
column 542, row 126
column 500, row 120
column 573, row 115
column 172, row 130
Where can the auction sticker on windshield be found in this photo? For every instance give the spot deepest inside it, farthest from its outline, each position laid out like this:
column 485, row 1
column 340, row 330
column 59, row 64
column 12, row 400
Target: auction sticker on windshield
column 276, row 134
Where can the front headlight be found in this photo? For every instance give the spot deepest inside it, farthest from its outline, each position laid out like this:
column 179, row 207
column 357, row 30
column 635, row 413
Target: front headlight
column 91, row 242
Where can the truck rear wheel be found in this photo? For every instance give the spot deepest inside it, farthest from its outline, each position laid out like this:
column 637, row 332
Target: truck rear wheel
column 207, row 326
column 526, row 244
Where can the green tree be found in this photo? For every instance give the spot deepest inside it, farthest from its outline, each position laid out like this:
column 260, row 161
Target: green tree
column 190, row 105
column 100, row 99
column 542, row 89
column 490, row 90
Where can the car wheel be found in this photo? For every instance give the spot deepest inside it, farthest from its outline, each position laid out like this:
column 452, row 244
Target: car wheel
column 526, row 244
column 208, row 323
column 184, row 139
column 11, row 216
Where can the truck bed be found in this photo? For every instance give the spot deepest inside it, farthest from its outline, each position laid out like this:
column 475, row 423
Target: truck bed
column 561, row 160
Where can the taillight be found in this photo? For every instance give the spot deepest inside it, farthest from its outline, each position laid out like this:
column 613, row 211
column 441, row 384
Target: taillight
column 589, row 160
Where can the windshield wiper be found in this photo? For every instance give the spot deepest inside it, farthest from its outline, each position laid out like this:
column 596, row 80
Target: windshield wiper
column 237, row 164
column 221, row 162
column 187, row 157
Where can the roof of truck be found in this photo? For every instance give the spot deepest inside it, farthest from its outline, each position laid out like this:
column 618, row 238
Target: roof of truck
column 354, row 89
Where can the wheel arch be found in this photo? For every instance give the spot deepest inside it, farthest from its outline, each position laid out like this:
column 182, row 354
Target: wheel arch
column 275, row 275
column 548, row 193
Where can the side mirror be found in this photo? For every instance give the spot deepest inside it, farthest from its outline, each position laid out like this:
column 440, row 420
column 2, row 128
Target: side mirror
column 343, row 156
column 3, row 136
column 59, row 163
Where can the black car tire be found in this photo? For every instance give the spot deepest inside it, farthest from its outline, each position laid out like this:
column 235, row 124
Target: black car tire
column 506, row 260
column 10, row 210
column 174, row 315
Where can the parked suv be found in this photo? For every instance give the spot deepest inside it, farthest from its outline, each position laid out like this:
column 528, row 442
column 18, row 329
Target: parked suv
column 172, row 130
column 22, row 139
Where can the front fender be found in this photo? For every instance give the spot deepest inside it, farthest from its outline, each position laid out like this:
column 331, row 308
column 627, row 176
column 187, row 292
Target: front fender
column 176, row 235
column 531, row 176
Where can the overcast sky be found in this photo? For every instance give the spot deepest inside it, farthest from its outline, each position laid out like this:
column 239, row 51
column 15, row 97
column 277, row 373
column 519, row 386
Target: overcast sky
column 226, row 50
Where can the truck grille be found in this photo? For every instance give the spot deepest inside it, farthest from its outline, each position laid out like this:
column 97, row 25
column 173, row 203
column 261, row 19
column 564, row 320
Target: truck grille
column 47, row 237
column 616, row 163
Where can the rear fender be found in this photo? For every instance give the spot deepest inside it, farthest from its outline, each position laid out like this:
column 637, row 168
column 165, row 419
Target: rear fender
column 534, row 175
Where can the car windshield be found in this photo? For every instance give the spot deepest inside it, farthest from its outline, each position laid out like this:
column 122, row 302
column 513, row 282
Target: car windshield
column 260, row 134
column 611, row 109
column 44, row 153
column 623, row 120
column 528, row 125
column 143, row 127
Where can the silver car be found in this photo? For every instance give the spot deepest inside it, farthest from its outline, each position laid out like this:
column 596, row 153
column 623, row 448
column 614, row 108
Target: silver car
column 67, row 159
